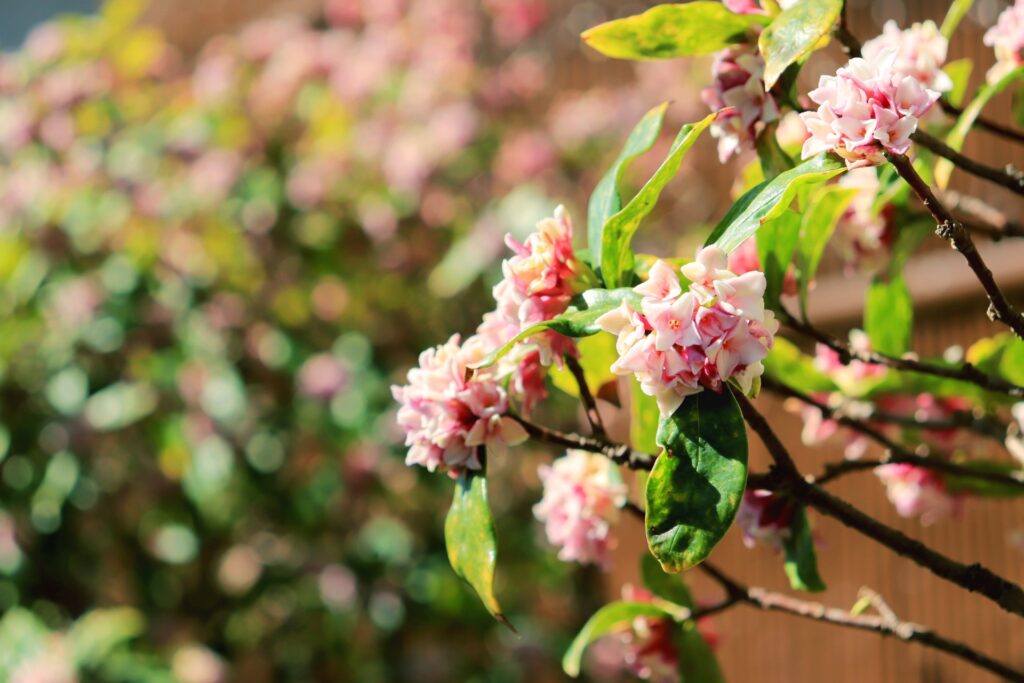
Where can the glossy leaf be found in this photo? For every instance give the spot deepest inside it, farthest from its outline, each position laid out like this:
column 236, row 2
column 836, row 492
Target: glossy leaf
column 959, row 71
column 772, row 157
column 616, row 255
column 801, row 563
column 605, row 621
column 983, row 487
column 669, row 31
column 794, row 34
column 956, row 137
column 958, row 9
column 819, row 222
column 470, row 539
column 605, row 201
column 579, row 320
column 788, row 364
column 769, row 199
column 776, row 243
column 643, row 419
column 1001, row 355
column 889, row 316
column 697, row 661
column 597, row 353
column 669, row 587
column 694, row 490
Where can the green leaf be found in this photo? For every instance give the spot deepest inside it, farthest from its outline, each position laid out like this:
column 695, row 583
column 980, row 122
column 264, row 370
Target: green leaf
column 579, row 320
column 669, row 31
column 605, row 621
column 772, row 157
column 643, row 419
column 697, row 662
column 767, row 200
column 801, row 563
column 789, row 365
column 1017, row 107
column 669, row 587
column 616, row 255
column 776, row 243
column 889, row 316
column 958, row 9
column 469, row 537
column 1001, row 355
column 794, row 34
column 956, row 137
column 696, row 485
column 819, row 222
column 983, row 487
column 597, row 353
column 959, row 71
column 97, row 633
column 605, row 201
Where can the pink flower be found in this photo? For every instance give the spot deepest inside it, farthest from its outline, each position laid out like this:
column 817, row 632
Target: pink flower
column 764, row 517
column 866, row 108
column 582, row 497
column 447, row 414
column 917, row 492
column 738, row 88
column 680, row 342
column 1007, row 39
column 650, row 652
column 744, row 259
column 827, row 361
column 920, row 53
column 743, row 6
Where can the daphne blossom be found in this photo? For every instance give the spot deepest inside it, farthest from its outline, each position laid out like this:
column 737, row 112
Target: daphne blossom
column 920, row 53
column 678, row 342
column 917, row 492
column 764, row 517
column 582, row 496
column 738, row 92
column 1007, row 39
column 448, row 412
column 866, row 108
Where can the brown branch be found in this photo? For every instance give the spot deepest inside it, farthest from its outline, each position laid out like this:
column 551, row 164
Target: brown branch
column 974, row 577
column 951, row 230
column 589, row 404
column 851, row 46
column 964, row 372
column 980, row 217
column 885, row 623
column 1010, row 177
column 619, row 453
column 897, row 452
column 983, row 123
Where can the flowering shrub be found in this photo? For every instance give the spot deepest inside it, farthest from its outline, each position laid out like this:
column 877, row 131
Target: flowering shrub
column 696, row 342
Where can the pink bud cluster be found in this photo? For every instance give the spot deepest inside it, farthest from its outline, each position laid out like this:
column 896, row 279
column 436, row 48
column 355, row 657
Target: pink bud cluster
column 738, row 92
column 917, row 492
column 679, row 342
column 863, row 236
column 764, row 517
column 1006, row 38
column 582, row 496
column 448, row 410
column 920, row 53
column 448, row 415
column 865, row 109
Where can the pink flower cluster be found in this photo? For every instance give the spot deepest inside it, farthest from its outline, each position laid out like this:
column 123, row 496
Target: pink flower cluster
column 863, row 236
column 917, row 492
column 865, row 108
column 447, row 417
column 744, row 259
column 764, row 517
column 738, row 89
column 920, row 53
column 680, row 342
column 650, row 653
column 582, row 497
column 1006, row 38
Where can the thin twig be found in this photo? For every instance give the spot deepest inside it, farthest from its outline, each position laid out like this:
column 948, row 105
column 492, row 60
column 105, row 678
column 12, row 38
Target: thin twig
column 964, row 372
column 619, row 453
column 974, row 578
column 1010, row 177
column 897, row 452
column 851, row 46
column 884, row 624
column 589, row 404
column 951, row 230
column 980, row 217
column 986, row 124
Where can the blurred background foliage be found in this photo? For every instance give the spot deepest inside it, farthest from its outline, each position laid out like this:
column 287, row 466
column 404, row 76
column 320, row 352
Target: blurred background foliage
column 211, row 268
